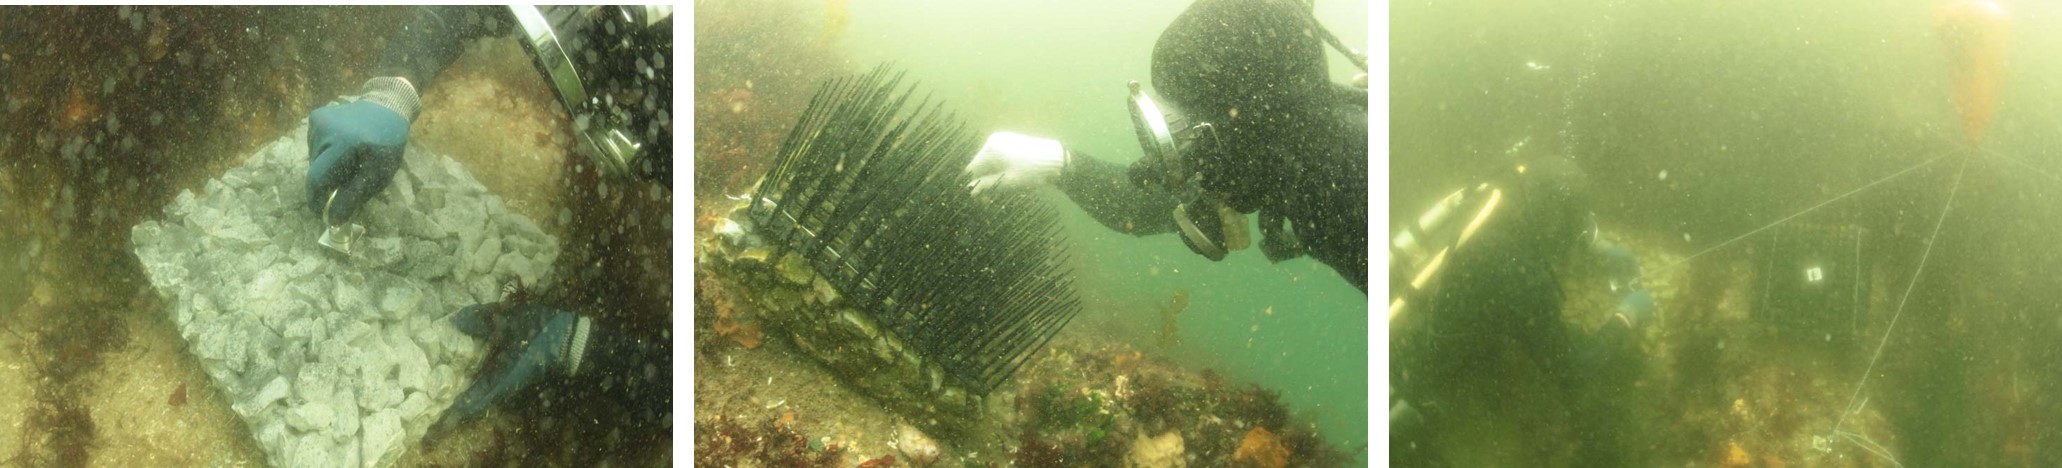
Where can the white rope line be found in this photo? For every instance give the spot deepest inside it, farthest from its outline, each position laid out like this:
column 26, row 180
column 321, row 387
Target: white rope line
column 2023, row 163
column 1902, row 301
column 1785, row 219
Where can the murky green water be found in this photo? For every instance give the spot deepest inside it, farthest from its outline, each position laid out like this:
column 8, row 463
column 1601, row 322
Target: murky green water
column 1704, row 127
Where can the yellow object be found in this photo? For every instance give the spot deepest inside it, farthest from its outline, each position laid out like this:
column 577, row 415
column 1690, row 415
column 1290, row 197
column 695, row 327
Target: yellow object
column 1481, row 217
column 1736, row 456
column 1974, row 34
column 1165, row 451
column 1263, row 449
column 837, row 14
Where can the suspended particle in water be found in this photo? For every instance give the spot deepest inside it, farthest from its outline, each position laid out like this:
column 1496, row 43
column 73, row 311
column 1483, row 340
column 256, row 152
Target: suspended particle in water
column 1664, row 174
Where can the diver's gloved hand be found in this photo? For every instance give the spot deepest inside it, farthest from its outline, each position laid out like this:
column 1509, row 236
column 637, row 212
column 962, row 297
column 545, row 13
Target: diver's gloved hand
column 1635, row 303
column 526, row 344
column 355, row 147
column 1012, row 161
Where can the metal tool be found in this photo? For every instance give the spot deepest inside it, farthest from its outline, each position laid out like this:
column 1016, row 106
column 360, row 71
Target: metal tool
column 338, row 237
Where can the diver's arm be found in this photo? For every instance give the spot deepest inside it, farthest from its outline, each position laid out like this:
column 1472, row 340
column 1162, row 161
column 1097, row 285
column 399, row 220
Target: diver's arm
column 1013, row 161
column 1106, row 192
column 432, row 38
column 355, row 147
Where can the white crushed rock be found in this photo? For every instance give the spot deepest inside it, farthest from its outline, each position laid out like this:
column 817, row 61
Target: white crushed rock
column 335, row 361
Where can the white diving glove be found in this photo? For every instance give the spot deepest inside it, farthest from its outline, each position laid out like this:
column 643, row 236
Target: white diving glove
column 1014, row 161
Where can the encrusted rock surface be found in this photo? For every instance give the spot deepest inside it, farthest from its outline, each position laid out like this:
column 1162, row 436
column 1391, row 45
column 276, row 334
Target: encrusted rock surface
column 821, row 322
column 335, row 360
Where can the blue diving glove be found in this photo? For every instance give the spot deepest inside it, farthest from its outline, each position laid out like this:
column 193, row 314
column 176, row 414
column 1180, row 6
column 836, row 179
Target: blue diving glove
column 1637, row 307
column 1635, row 303
column 526, row 344
column 355, row 147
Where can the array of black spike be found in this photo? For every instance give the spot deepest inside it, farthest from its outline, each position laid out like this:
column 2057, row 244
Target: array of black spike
column 877, row 202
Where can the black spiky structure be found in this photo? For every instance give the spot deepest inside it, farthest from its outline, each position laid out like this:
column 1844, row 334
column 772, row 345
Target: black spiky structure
column 876, row 201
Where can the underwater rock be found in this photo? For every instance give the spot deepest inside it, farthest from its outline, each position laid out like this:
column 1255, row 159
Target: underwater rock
column 919, row 449
column 400, row 302
column 1164, row 451
column 413, row 370
column 1262, row 449
column 334, row 359
column 382, row 432
column 315, row 415
column 273, row 391
column 483, row 259
column 309, row 451
column 414, row 406
column 822, row 293
column 794, row 269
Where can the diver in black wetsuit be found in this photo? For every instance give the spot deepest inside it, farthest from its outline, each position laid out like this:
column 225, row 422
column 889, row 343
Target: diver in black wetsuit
column 1478, row 279
column 1265, row 132
column 608, row 65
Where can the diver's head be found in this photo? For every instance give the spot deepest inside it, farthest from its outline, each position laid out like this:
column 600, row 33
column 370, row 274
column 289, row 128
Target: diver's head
column 1551, row 195
column 1250, row 55
column 1248, row 112
column 1254, row 73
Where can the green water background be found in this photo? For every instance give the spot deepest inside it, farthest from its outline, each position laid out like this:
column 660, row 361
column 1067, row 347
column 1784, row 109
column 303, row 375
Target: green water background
column 1058, row 70
column 1757, row 110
